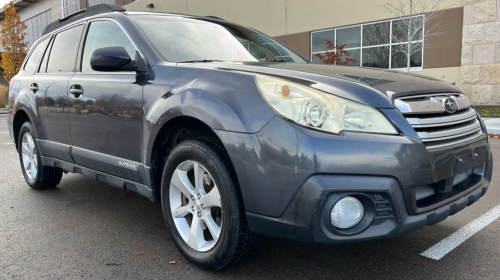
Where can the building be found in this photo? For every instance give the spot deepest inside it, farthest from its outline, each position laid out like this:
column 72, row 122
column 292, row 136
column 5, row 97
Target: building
column 466, row 52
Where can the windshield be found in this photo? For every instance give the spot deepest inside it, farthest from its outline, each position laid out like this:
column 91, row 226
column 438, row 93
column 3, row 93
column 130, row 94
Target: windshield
column 179, row 39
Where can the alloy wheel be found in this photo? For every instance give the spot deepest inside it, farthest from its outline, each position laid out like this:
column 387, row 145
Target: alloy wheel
column 196, row 207
column 30, row 159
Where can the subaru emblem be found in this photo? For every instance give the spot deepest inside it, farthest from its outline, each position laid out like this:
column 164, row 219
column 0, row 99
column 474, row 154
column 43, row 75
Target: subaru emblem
column 450, row 105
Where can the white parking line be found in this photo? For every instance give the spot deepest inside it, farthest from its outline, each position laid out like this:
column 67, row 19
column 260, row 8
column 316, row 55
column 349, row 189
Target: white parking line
column 10, row 143
column 446, row 245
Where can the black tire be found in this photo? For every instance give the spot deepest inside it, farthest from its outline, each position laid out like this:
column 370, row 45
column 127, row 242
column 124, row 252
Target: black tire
column 236, row 240
column 46, row 177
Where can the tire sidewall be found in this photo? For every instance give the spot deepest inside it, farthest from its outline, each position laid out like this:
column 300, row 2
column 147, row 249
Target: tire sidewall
column 36, row 183
column 194, row 153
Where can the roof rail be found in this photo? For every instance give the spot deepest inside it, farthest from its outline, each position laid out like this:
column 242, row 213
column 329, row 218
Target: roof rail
column 90, row 11
column 215, row 17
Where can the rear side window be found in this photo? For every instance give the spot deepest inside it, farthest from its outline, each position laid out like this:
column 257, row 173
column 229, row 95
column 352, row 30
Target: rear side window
column 62, row 55
column 34, row 58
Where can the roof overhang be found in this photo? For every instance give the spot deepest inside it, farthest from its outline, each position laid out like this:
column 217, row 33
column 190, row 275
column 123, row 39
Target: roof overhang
column 18, row 4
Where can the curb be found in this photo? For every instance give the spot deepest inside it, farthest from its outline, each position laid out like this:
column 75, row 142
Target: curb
column 493, row 126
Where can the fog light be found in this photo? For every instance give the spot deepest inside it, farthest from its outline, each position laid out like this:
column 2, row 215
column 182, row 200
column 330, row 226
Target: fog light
column 347, row 213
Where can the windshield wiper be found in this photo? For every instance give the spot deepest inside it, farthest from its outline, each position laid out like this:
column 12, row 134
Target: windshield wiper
column 203, row 60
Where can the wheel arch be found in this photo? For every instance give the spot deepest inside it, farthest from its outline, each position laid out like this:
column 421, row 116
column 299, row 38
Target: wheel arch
column 169, row 135
column 20, row 117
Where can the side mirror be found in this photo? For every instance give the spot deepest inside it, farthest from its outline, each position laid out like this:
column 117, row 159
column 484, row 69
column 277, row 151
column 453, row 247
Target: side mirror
column 112, row 59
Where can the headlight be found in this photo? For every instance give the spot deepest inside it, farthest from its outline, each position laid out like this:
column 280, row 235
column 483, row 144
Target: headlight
column 313, row 108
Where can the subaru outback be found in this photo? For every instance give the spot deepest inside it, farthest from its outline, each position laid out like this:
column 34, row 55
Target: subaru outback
column 238, row 136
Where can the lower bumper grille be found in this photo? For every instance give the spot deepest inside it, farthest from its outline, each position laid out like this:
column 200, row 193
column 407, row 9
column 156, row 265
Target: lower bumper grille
column 429, row 195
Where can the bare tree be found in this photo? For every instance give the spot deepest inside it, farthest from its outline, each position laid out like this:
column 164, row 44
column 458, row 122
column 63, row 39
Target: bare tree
column 411, row 26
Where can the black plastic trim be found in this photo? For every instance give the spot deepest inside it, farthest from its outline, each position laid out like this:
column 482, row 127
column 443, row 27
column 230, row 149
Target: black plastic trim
column 55, row 150
column 129, row 170
column 100, row 176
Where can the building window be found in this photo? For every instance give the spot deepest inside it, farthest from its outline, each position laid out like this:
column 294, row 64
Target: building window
column 372, row 45
column 36, row 25
column 97, row 2
column 70, row 7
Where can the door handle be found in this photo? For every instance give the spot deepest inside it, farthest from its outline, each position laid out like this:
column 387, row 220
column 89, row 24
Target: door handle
column 34, row 88
column 76, row 91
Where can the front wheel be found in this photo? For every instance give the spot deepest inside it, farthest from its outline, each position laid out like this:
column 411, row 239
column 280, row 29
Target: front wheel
column 203, row 207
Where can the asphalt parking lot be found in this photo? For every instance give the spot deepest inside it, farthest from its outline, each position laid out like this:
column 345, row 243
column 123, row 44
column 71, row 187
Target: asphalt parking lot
column 89, row 230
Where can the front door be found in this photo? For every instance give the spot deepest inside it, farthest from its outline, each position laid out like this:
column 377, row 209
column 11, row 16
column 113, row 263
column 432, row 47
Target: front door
column 106, row 108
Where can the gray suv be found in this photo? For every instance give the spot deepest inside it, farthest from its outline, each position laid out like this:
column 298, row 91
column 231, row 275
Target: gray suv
column 238, row 136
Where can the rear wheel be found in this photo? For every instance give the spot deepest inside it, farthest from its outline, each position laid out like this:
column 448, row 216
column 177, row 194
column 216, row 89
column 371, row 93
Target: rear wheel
column 37, row 176
column 203, row 207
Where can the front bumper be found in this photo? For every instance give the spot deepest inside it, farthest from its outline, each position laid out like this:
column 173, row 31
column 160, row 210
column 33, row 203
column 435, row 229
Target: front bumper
column 308, row 216
column 291, row 177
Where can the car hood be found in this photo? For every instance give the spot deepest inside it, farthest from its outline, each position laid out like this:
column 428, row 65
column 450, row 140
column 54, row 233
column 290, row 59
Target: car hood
column 386, row 85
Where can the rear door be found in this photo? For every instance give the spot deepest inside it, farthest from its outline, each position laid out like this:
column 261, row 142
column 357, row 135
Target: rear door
column 106, row 115
column 20, row 86
column 50, row 86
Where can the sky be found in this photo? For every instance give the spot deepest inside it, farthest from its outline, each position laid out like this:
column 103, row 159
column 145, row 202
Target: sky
column 3, row 2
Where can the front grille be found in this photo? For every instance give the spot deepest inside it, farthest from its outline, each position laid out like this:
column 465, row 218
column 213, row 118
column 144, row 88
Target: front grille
column 436, row 127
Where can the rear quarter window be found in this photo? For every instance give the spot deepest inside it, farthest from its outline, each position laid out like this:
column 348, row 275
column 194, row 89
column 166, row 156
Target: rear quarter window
column 34, row 58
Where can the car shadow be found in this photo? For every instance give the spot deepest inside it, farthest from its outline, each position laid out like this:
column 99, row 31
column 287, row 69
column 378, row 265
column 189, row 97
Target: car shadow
column 99, row 211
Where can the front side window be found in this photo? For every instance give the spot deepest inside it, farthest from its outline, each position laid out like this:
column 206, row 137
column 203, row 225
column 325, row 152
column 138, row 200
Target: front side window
column 179, row 39
column 104, row 34
column 62, row 54
column 380, row 44
column 32, row 62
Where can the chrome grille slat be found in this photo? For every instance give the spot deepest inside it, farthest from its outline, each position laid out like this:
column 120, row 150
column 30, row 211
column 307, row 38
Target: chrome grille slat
column 457, row 141
column 417, row 122
column 436, row 127
column 449, row 137
column 429, row 104
column 450, row 132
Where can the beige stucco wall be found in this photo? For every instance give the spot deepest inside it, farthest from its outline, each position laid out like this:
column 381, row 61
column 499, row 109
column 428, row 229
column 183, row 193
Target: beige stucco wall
column 280, row 17
column 319, row 14
column 40, row 6
column 267, row 16
column 448, row 74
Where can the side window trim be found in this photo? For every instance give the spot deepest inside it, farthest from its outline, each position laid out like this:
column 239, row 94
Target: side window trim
column 77, row 50
column 28, row 56
column 47, row 52
column 82, row 47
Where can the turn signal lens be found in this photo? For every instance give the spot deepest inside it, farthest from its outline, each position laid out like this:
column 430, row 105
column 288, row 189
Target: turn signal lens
column 285, row 91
